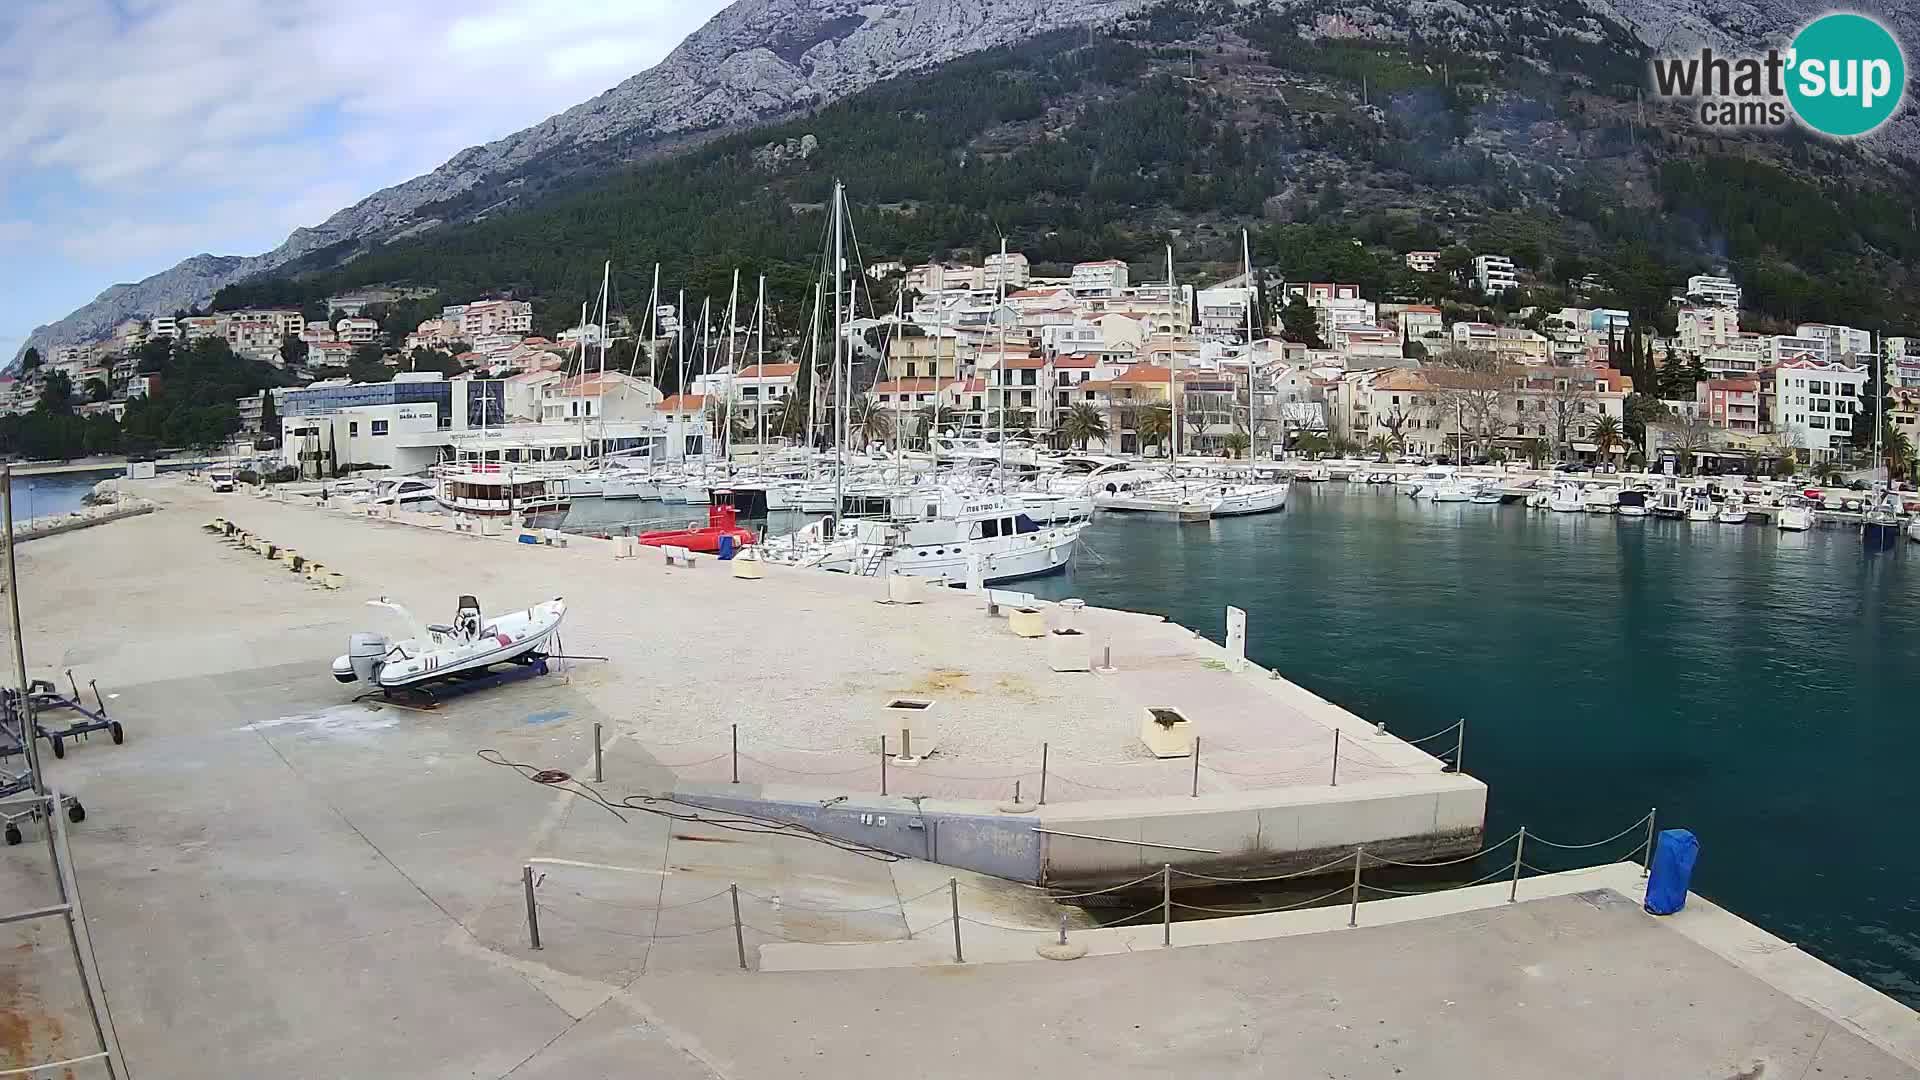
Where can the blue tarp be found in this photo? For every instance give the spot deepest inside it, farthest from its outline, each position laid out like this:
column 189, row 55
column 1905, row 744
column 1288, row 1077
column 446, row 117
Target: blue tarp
column 1673, row 858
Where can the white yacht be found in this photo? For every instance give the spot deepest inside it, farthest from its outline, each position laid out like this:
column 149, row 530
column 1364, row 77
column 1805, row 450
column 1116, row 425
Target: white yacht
column 1632, row 504
column 1566, row 499
column 935, row 534
column 1733, row 511
column 405, row 492
column 1669, row 502
column 1600, row 500
column 1240, row 500
column 1700, row 505
column 1796, row 514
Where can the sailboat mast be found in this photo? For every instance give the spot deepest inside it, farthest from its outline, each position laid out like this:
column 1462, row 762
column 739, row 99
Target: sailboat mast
column 839, row 381
column 653, row 308
column 813, row 377
column 933, row 433
column 733, row 369
column 1173, row 372
column 680, row 351
column 1000, row 295
column 1253, row 439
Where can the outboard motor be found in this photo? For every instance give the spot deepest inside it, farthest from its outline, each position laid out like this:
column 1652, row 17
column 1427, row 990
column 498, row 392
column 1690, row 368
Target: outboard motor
column 367, row 653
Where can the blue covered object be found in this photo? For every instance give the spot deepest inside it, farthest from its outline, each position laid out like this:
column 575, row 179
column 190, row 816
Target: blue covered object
column 726, row 548
column 1673, row 858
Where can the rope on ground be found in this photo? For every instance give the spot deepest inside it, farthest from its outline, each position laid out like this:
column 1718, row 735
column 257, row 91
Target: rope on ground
column 1505, row 870
column 1263, row 911
column 1301, row 771
column 1598, row 843
column 1309, row 872
column 1496, row 846
column 1095, row 892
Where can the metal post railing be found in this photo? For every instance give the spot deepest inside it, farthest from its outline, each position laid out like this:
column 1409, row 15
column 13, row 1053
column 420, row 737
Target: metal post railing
column 1646, row 863
column 533, row 910
column 1353, row 901
column 1196, row 766
column 75, row 917
column 739, row 937
column 883, row 764
column 736, row 753
column 1166, row 904
column 1519, row 849
column 1335, row 781
column 1043, row 774
column 599, row 774
column 1460, row 748
column 953, row 893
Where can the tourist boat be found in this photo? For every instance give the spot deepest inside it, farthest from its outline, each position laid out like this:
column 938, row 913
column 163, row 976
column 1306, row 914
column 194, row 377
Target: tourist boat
column 934, row 534
column 1600, row 500
column 1700, row 505
column 722, row 534
column 1881, row 525
column 1796, row 514
column 1566, row 499
column 469, row 645
column 490, row 489
column 1632, row 504
column 1241, row 500
column 1669, row 502
column 1733, row 511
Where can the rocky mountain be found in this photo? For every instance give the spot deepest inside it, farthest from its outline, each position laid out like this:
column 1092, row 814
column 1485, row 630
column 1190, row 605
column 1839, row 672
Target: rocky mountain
column 763, row 59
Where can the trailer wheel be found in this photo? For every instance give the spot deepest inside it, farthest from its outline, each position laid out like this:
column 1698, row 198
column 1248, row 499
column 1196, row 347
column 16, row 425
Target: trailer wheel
column 76, row 813
column 59, row 746
column 119, row 733
column 13, row 834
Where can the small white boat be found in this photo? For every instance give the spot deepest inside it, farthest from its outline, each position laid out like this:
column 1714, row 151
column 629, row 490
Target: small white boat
column 1537, row 500
column 1317, row 475
column 1489, row 494
column 1913, row 530
column 1241, row 500
column 1796, row 514
column 1700, row 505
column 1881, row 525
column 1600, row 500
column 1732, row 512
column 1566, row 499
column 1669, row 502
column 470, row 644
column 405, row 492
column 1632, row 504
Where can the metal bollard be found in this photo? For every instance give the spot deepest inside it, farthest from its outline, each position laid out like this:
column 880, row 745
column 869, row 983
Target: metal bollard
column 1353, row 903
column 533, row 910
column 739, row 939
column 1063, row 928
column 736, row 753
column 883, row 764
column 1196, row 767
column 1460, row 748
column 1646, row 865
column 953, row 890
column 1335, row 782
column 1166, row 904
column 1043, row 774
column 1519, row 849
column 598, row 774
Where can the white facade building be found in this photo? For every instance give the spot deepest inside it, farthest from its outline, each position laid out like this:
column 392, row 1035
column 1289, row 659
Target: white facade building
column 1817, row 400
column 1423, row 262
column 1840, row 340
column 356, row 331
column 1494, row 273
column 1720, row 291
column 1103, row 276
column 494, row 317
column 1009, row 271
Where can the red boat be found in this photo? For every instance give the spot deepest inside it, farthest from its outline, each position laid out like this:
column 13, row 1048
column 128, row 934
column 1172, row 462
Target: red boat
column 722, row 525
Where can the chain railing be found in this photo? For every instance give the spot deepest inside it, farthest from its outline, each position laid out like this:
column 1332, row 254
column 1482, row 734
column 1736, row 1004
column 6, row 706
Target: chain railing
column 1343, row 757
column 1514, row 869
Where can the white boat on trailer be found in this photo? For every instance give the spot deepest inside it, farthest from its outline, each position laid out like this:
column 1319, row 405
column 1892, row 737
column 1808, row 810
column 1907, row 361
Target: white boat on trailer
column 471, row 644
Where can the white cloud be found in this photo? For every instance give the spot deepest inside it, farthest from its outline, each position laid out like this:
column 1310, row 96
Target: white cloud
column 142, row 131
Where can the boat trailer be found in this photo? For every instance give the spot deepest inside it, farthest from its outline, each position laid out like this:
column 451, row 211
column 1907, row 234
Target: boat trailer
column 13, row 741
column 46, row 699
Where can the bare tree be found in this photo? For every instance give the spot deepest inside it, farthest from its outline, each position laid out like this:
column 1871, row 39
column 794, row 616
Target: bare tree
column 1567, row 402
column 1397, row 422
column 1691, row 435
column 1474, row 387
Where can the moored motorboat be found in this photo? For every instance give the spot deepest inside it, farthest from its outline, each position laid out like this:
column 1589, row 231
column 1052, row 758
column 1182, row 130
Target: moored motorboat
column 1796, row 514
column 1632, row 504
column 1700, row 505
column 1566, row 499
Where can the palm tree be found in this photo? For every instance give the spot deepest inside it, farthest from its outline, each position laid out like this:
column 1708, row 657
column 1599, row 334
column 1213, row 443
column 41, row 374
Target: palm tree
column 869, row 422
column 1082, row 424
column 1237, row 442
column 1380, row 446
column 1155, row 424
column 1898, row 449
column 1606, row 433
column 926, row 424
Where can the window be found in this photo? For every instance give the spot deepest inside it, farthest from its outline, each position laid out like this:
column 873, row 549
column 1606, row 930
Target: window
column 379, row 427
column 912, row 370
column 990, row 528
column 353, row 428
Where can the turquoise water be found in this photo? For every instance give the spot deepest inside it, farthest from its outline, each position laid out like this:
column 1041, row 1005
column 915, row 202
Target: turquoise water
column 1757, row 686
column 54, row 494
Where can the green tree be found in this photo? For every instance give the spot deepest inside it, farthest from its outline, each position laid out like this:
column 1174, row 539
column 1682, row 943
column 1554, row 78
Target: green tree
column 30, row 359
column 1454, row 260
column 367, row 365
column 269, row 415
column 1606, row 433
column 56, row 393
column 1154, row 425
column 1083, row 424
column 1237, row 442
column 424, row 359
column 293, row 351
column 1300, row 323
column 97, row 390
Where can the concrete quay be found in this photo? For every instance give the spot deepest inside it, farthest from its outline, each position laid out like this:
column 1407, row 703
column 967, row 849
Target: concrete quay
column 281, row 883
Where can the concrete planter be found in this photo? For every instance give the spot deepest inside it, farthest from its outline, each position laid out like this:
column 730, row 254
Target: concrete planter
column 903, row 589
column 1069, row 650
column 748, row 568
column 901, row 719
column 1027, row 622
column 1166, row 731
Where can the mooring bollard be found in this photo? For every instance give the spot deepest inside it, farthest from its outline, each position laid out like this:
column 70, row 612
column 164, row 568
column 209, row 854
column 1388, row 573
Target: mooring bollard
column 598, row 774
column 739, row 938
column 953, row 891
column 533, row 910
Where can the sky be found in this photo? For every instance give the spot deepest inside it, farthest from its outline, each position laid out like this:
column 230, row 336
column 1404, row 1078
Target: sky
column 141, row 132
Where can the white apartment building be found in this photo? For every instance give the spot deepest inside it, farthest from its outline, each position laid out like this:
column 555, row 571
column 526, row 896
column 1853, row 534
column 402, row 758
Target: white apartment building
column 1703, row 328
column 260, row 332
column 1494, row 273
column 1903, row 361
column 1786, row 347
column 204, row 326
column 1741, row 356
column 165, row 326
column 1423, row 262
column 1817, row 400
column 1223, row 312
column 356, row 331
column 1009, row 271
column 1103, row 276
column 607, row 396
column 1475, row 335
column 1840, row 340
column 494, row 317
column 1720, row 291
column 1418, row 322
